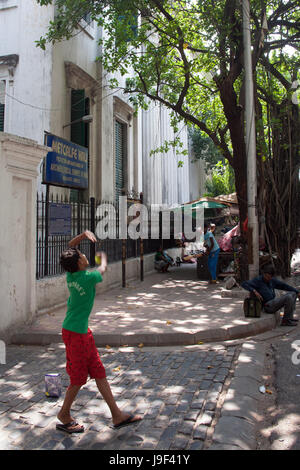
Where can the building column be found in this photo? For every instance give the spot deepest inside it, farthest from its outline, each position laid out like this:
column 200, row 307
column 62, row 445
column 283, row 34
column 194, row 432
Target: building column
column 19, row 160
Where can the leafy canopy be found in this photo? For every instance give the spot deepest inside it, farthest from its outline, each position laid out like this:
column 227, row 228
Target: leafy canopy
column 188, row 54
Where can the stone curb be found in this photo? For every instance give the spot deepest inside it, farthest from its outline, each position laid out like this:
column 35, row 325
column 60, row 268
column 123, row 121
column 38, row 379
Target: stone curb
column 236, row 427
column 42, row 338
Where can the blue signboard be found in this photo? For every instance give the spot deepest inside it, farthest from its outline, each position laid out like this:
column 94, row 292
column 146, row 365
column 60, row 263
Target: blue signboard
column 66, row 164
column 60, row 217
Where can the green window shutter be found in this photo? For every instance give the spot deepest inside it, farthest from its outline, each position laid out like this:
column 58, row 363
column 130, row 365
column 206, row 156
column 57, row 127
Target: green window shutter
column 79, row 131
column 2, row 104
column 2, row 108
column 120, row 158
column 77, row 112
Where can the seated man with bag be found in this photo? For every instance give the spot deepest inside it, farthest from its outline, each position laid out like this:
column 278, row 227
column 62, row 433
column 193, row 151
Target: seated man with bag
column 263, row 287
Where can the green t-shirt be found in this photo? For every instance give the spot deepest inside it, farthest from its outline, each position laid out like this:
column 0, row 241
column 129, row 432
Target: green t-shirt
column 80, row 303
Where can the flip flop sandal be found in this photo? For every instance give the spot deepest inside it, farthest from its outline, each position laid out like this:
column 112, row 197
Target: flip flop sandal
column 70, row 428
column 130, row 420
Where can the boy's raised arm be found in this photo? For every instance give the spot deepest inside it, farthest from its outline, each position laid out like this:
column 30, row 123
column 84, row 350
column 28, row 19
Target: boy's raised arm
column 86, row 234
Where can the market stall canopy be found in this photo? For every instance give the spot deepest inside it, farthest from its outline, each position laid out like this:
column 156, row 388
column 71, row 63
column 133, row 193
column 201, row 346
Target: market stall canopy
column 203, row 203
column 206, row 203
column 219, row 202
column 227, row 198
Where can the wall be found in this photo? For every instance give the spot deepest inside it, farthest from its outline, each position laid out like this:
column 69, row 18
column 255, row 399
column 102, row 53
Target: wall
column 163, row 181
column 18, row 162
column 28, row 84
column 74, row 66
column 197, row 177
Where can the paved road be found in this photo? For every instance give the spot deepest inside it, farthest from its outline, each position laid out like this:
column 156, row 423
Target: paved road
column 280, row 426
column 178, row 391
column 191, row 398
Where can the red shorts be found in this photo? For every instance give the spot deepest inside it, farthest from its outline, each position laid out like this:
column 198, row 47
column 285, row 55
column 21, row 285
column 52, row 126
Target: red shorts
column 82, row 357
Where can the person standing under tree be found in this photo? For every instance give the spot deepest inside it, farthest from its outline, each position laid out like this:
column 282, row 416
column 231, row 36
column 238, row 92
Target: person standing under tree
column 212, row 250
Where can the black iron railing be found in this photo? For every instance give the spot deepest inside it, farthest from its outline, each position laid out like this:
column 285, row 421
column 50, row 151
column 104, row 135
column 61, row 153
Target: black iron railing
column 84, row 216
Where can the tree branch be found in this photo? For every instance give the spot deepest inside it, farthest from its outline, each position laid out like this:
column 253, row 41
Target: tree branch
column 275, row 72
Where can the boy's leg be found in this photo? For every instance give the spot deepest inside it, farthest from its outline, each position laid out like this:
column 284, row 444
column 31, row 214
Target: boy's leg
column 97, row 371
column 74, row 343
column 118, row 416
column 65, row 412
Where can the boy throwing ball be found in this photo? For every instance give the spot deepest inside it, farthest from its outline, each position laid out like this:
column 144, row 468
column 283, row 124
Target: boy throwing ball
column 82, row 356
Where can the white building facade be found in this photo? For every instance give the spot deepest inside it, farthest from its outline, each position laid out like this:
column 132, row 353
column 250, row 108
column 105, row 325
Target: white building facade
column 46, row 91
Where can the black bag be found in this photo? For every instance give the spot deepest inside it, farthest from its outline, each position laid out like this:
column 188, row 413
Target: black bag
column 252, row 307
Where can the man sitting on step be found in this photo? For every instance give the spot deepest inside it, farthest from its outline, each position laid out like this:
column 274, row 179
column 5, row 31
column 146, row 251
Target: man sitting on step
column 264, row 287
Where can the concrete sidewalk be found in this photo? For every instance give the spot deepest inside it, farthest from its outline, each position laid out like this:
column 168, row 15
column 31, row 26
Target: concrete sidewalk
column 166, row 309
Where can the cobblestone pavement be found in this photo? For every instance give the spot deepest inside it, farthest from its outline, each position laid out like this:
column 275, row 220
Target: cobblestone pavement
column 178, row 391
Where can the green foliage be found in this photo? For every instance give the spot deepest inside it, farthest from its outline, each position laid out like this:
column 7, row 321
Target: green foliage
column 221, row 180
column 204, row 148
column 174, row 144
column 179, row 52
column 188, row 55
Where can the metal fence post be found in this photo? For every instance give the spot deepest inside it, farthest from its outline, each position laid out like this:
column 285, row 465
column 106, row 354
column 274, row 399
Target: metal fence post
column 141, row 249
column 46, row 231
column 92, row 228
column 123, row 262
column 124, row 246
column 78, row 220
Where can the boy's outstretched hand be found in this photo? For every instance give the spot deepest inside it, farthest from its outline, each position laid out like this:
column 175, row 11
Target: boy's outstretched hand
column 90, row 236
column 86, row 234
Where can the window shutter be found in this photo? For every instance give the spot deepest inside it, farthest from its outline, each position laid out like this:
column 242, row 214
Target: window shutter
column 80, row 130
column 77, row 112
column 120, row 157
column 2, row 107
column 2, row 104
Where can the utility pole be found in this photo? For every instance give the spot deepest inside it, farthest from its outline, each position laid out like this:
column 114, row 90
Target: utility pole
column 253, row 243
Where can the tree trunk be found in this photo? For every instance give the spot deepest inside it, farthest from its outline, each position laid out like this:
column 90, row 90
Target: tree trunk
column 234, row 116
column 282, row 169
